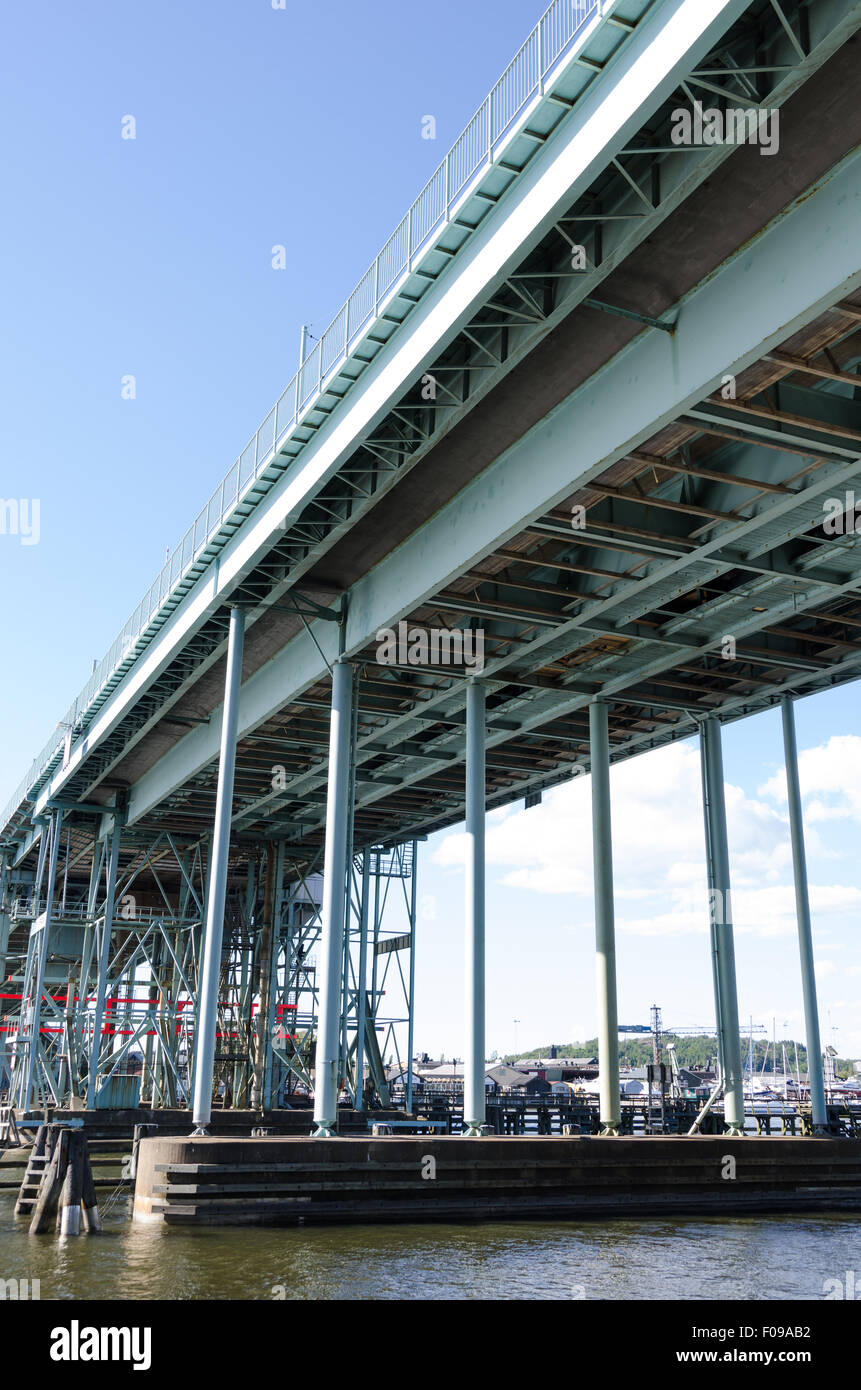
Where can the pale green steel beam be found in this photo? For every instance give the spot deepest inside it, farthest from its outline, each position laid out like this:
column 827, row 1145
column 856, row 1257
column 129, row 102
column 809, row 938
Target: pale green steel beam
column 723, row 326
column 672, row 36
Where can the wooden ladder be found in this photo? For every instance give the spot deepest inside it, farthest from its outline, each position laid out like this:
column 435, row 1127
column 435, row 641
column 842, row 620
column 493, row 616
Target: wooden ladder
column 34, row 1172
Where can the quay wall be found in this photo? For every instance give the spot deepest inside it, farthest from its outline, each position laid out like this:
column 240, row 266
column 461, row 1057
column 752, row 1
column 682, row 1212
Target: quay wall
column 297, row 1180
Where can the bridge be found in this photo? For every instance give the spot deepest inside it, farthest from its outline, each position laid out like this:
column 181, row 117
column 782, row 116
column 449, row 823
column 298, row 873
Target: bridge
column 571, row 475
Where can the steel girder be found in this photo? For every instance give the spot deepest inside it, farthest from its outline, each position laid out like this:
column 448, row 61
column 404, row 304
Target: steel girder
column 666, row 173
column 674, row 30
column 647, row 386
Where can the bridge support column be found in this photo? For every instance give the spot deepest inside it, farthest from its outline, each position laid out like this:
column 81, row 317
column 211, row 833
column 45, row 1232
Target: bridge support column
column 334, row 905
column 473, row 1068
column 717, row 850
column 412, row 976
column 207, row 1011
column 713, row 899
column 361, row 978
column 605, row 927
column 805, row 933
column 104, row 957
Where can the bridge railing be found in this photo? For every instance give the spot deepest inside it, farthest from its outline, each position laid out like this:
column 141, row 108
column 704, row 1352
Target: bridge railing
column 471, row 153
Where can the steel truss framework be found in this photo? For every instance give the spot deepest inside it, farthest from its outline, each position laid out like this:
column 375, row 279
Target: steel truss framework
column 108, row 1015
column 714, row 530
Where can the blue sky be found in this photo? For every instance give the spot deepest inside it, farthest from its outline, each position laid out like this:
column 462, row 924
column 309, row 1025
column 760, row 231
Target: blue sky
column 540, row 927
column 300, row 127
column 153, row 257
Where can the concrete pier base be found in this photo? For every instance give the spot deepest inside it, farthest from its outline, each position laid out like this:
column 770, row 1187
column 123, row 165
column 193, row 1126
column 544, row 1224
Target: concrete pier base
column 295, row 1181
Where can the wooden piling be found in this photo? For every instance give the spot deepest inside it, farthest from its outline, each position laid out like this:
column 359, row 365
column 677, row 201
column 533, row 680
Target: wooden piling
column 64, row 1177
column 69, row 1210
column 89, row 1205
column 52, row 1182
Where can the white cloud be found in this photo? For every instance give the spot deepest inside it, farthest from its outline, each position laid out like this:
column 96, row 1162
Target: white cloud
column 658, row 848
column 830, row 777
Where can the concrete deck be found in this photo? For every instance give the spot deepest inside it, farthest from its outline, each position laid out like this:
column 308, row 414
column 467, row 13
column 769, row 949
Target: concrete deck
column 295, row 1181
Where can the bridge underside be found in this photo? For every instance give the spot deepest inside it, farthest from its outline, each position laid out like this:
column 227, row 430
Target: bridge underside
column 714, row 526
column 631, row 478
column 633, row 604
column 633, row 597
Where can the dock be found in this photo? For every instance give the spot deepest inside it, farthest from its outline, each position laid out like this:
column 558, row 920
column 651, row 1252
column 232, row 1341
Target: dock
column 286, row 1181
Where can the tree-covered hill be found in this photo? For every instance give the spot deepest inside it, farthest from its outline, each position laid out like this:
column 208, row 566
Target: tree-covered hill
column 697, row 1053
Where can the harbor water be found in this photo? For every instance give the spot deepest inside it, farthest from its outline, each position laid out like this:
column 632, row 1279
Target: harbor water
column 743, row 1258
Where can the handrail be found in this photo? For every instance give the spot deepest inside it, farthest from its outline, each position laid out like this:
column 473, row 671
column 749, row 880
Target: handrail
column 472, row 152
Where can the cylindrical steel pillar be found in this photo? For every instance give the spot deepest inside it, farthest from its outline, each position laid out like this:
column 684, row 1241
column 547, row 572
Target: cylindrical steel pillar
column 334, row 905
column 802, row 907
column 104, row 957
column 412, row 976
column 717, row 848
column 473, row 1069
column 207, row 1010
column 361, row 990
column 605, row 928
column 713, row 918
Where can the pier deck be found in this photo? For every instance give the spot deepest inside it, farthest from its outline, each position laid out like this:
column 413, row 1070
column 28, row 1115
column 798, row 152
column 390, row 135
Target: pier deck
column 295, row 1181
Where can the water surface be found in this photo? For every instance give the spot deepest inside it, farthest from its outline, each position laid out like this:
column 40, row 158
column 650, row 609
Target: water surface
column 749, row 1258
